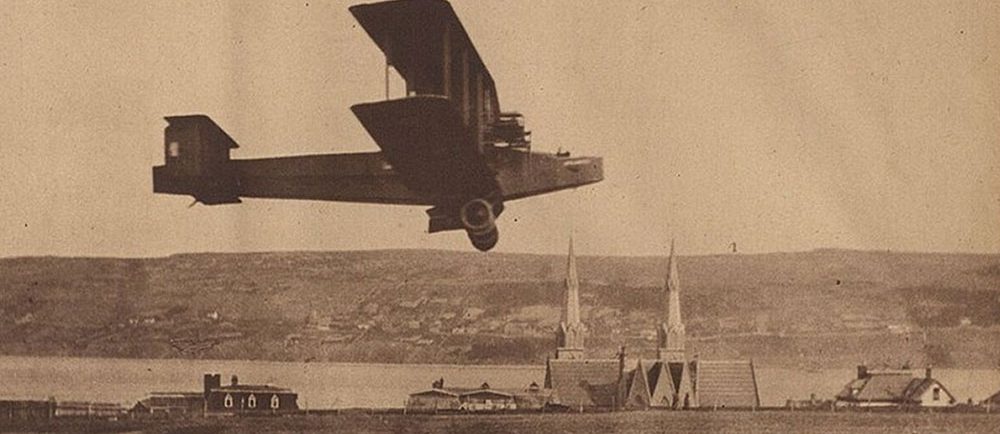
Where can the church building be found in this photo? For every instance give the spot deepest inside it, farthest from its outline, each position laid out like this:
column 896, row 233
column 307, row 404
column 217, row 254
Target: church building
column 577, row 382
column 669, row 376
column 671, row 381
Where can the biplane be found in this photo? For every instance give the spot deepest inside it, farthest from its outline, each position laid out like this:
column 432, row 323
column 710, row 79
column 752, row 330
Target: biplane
column 446, row 144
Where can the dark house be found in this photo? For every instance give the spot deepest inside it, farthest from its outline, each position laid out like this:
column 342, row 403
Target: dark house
column 247, row 398
column 15, row 410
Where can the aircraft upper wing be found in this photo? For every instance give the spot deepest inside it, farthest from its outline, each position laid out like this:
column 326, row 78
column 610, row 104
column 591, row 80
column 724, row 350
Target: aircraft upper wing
column 427, row 44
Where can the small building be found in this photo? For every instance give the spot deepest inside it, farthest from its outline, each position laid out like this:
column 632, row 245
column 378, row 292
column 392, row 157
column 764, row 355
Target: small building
column 894, row 388
column 247, row 398
column 91, row 410
column 170, row 403
column 480, row 399
column 433, row 400
column 487, row 399
column 19, row 410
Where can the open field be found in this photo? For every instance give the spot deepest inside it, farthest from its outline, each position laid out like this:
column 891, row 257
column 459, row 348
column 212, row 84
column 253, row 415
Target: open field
column 651, row 421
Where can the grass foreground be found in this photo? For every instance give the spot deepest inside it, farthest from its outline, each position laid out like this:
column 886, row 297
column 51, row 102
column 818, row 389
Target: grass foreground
column 626, row 422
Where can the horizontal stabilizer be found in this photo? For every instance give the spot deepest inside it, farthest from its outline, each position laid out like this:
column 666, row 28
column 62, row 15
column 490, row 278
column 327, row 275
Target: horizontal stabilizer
column 196, row 152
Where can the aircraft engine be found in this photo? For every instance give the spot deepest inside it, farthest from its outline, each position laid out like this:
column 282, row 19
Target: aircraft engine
column 480, row 223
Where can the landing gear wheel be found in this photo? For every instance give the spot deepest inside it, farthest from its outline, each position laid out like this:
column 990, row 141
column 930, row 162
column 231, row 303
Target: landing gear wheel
column 484, row 242
column 477, row 216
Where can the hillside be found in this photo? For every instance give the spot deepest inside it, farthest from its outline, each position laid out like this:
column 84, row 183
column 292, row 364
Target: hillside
column 826, row 308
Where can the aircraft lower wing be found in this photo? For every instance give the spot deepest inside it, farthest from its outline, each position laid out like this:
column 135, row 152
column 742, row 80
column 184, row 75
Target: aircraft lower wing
column 426, row 141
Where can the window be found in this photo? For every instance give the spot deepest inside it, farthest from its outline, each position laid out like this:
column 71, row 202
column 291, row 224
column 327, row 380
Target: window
column 228, row 402
column 937, row 394
column 252, row 401
column 174, row 149
column 275, row 402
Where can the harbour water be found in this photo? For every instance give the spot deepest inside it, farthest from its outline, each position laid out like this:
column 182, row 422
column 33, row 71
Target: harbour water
column 345, row 385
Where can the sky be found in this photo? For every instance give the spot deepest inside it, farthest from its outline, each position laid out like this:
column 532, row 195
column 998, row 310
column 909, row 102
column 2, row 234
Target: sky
column 777, row 125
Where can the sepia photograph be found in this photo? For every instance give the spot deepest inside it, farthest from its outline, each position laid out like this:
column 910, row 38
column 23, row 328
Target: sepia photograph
column 499, row 216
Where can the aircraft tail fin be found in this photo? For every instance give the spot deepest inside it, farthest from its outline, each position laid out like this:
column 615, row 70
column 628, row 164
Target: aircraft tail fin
column 196, row 151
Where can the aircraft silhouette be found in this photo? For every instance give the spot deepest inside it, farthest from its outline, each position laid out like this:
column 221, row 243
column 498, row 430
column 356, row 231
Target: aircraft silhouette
column 446, row 144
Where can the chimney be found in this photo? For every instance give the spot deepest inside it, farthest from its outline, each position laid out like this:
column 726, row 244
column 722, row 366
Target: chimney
column 235, row 380
column 862, row 372
column 212, row 381
column 927, row 373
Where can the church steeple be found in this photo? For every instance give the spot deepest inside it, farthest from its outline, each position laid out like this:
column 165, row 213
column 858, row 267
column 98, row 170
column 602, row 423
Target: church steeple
column 671, row 333
column 569, row 336
column 571, row 315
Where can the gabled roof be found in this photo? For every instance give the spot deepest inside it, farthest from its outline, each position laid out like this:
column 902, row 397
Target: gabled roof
column 638, row 394
column 255, row 388
column 921, row 385
column 588, row 382
column 661, row 386
column 885, row 387
column 653, row 375
column 899, row 387
column 726, row 384
column 177, row 394
column 435, row 392
column 471, row 391
column 487, row 392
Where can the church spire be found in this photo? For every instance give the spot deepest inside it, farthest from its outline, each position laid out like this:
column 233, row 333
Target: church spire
column 569, row 336
column 571, row 315
column 671, row 333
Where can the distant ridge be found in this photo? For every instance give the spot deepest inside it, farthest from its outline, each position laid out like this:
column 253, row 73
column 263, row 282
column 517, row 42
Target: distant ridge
column 443, row 306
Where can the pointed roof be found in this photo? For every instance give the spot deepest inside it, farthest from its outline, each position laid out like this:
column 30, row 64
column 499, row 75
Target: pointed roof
column 661, row 389
column 673, row 288
column 571, row 315
column 638, row 395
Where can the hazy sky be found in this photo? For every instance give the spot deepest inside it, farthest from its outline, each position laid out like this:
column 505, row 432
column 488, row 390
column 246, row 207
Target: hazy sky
column 780, row 125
